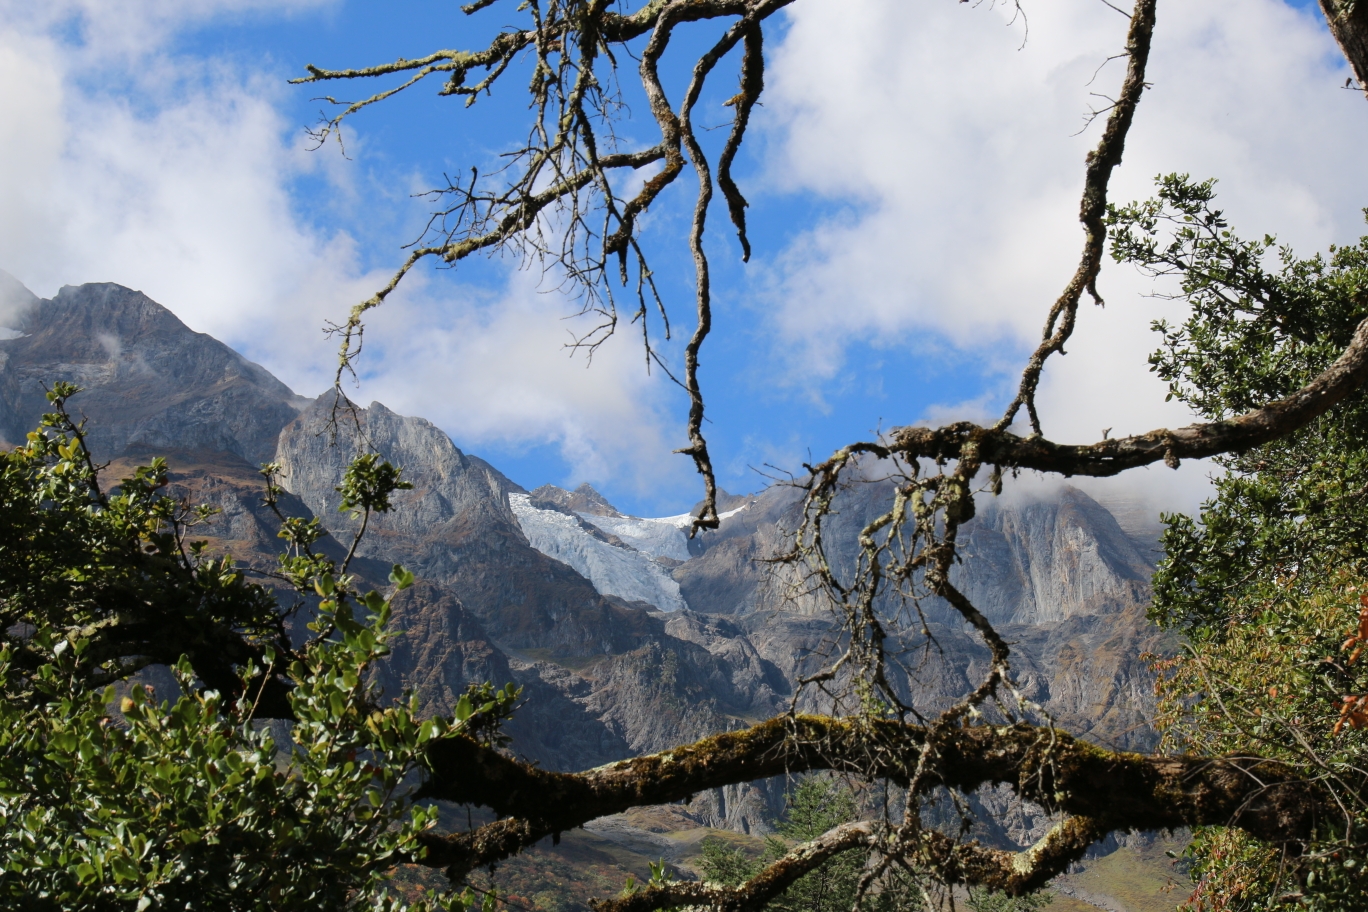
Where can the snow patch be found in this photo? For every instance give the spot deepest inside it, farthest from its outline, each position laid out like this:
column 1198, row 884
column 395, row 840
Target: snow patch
column 656, row 537
column 667, row 536
column 685, row 520
column 626, row 573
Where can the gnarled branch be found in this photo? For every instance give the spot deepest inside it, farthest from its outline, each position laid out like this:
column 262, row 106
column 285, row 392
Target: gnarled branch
column 1059, row 325
column 1114, row 790
column 1112, row 456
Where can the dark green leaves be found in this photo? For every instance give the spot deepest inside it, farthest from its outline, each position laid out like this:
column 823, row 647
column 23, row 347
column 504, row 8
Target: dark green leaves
column 184, row 799
column 1258, row 582
column 1263, row 323
column 183, row 804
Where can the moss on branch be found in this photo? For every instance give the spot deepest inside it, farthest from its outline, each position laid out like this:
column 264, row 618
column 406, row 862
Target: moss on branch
column 1099, row 789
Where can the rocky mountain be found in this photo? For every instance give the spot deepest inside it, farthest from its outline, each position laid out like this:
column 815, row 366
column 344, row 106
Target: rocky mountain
column 627, row 635
column 153, row 383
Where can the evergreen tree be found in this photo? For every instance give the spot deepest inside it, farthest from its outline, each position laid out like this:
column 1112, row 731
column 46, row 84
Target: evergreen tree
column 815, row 806
column 723, row 864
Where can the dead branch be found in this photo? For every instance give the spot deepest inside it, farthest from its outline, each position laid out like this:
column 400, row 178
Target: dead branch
column 1101, row 161
column 560, row 182
column 1115, row 455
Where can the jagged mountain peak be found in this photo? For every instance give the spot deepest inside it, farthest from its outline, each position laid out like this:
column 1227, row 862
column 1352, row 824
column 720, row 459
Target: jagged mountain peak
column 152, row 382
column 584, row 499
column 551, row 587
column 317, row 446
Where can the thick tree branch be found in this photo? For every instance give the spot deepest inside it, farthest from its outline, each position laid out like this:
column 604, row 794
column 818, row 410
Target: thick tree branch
column 755, row 893
column 1113, row 790
column 1348, row 21
column 1110, row 457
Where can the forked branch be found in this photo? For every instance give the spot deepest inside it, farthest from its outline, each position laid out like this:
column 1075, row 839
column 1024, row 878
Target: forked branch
column 555, row 202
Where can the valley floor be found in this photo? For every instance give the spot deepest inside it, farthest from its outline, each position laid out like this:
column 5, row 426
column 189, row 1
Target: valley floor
column 597, row 862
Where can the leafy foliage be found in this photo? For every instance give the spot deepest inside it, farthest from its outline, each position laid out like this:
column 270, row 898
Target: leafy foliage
column 194, row 802
column 981, row 900
column 1263, row 323
column 187, row 804
column 1265, row 584
column 723, row 864
column 1273, row 683
column 815, row 805
column 116, row 569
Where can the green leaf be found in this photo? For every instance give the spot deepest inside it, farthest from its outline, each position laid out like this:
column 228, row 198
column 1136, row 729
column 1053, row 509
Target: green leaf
column 400, row 577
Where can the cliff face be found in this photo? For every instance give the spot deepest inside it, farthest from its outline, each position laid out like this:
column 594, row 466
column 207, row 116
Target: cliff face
column 455, row 529
column 1047, row 561
column 627, row 635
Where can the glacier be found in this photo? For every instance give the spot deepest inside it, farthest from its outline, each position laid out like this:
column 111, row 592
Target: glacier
column 628, row 573
column 656, row 537
column 667, row 536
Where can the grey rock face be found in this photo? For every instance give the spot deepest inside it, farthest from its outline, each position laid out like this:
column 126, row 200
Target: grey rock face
column 316, row 448
column 727, row 576
column 1048, row 561
column 583, row 499
column 151, row 382
column 455, row 529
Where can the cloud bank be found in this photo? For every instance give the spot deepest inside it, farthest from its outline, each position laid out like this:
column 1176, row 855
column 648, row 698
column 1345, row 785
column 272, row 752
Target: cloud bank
column 952, row 137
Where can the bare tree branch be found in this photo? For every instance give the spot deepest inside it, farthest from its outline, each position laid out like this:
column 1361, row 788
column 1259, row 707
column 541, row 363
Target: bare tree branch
column 1101, row 162
column 561, row 175
column 1115, row 455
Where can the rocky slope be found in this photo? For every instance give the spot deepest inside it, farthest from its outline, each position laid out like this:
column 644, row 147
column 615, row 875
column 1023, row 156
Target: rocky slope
column 627, row 635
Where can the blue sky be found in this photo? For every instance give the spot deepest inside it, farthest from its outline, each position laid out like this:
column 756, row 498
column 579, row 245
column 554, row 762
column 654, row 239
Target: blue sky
column 912, row 209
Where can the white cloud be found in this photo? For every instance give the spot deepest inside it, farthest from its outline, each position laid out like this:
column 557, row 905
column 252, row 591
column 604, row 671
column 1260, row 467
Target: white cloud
column 178, row 181
column 953, row 145
column 130, row 28
column 498, row 373
column 182, row 193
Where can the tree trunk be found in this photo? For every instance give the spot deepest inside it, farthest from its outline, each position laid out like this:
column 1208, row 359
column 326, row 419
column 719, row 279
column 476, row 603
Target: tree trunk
column 1348, row 20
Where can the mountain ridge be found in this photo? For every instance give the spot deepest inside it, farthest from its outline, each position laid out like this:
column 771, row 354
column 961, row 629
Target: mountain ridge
column 606, row 673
